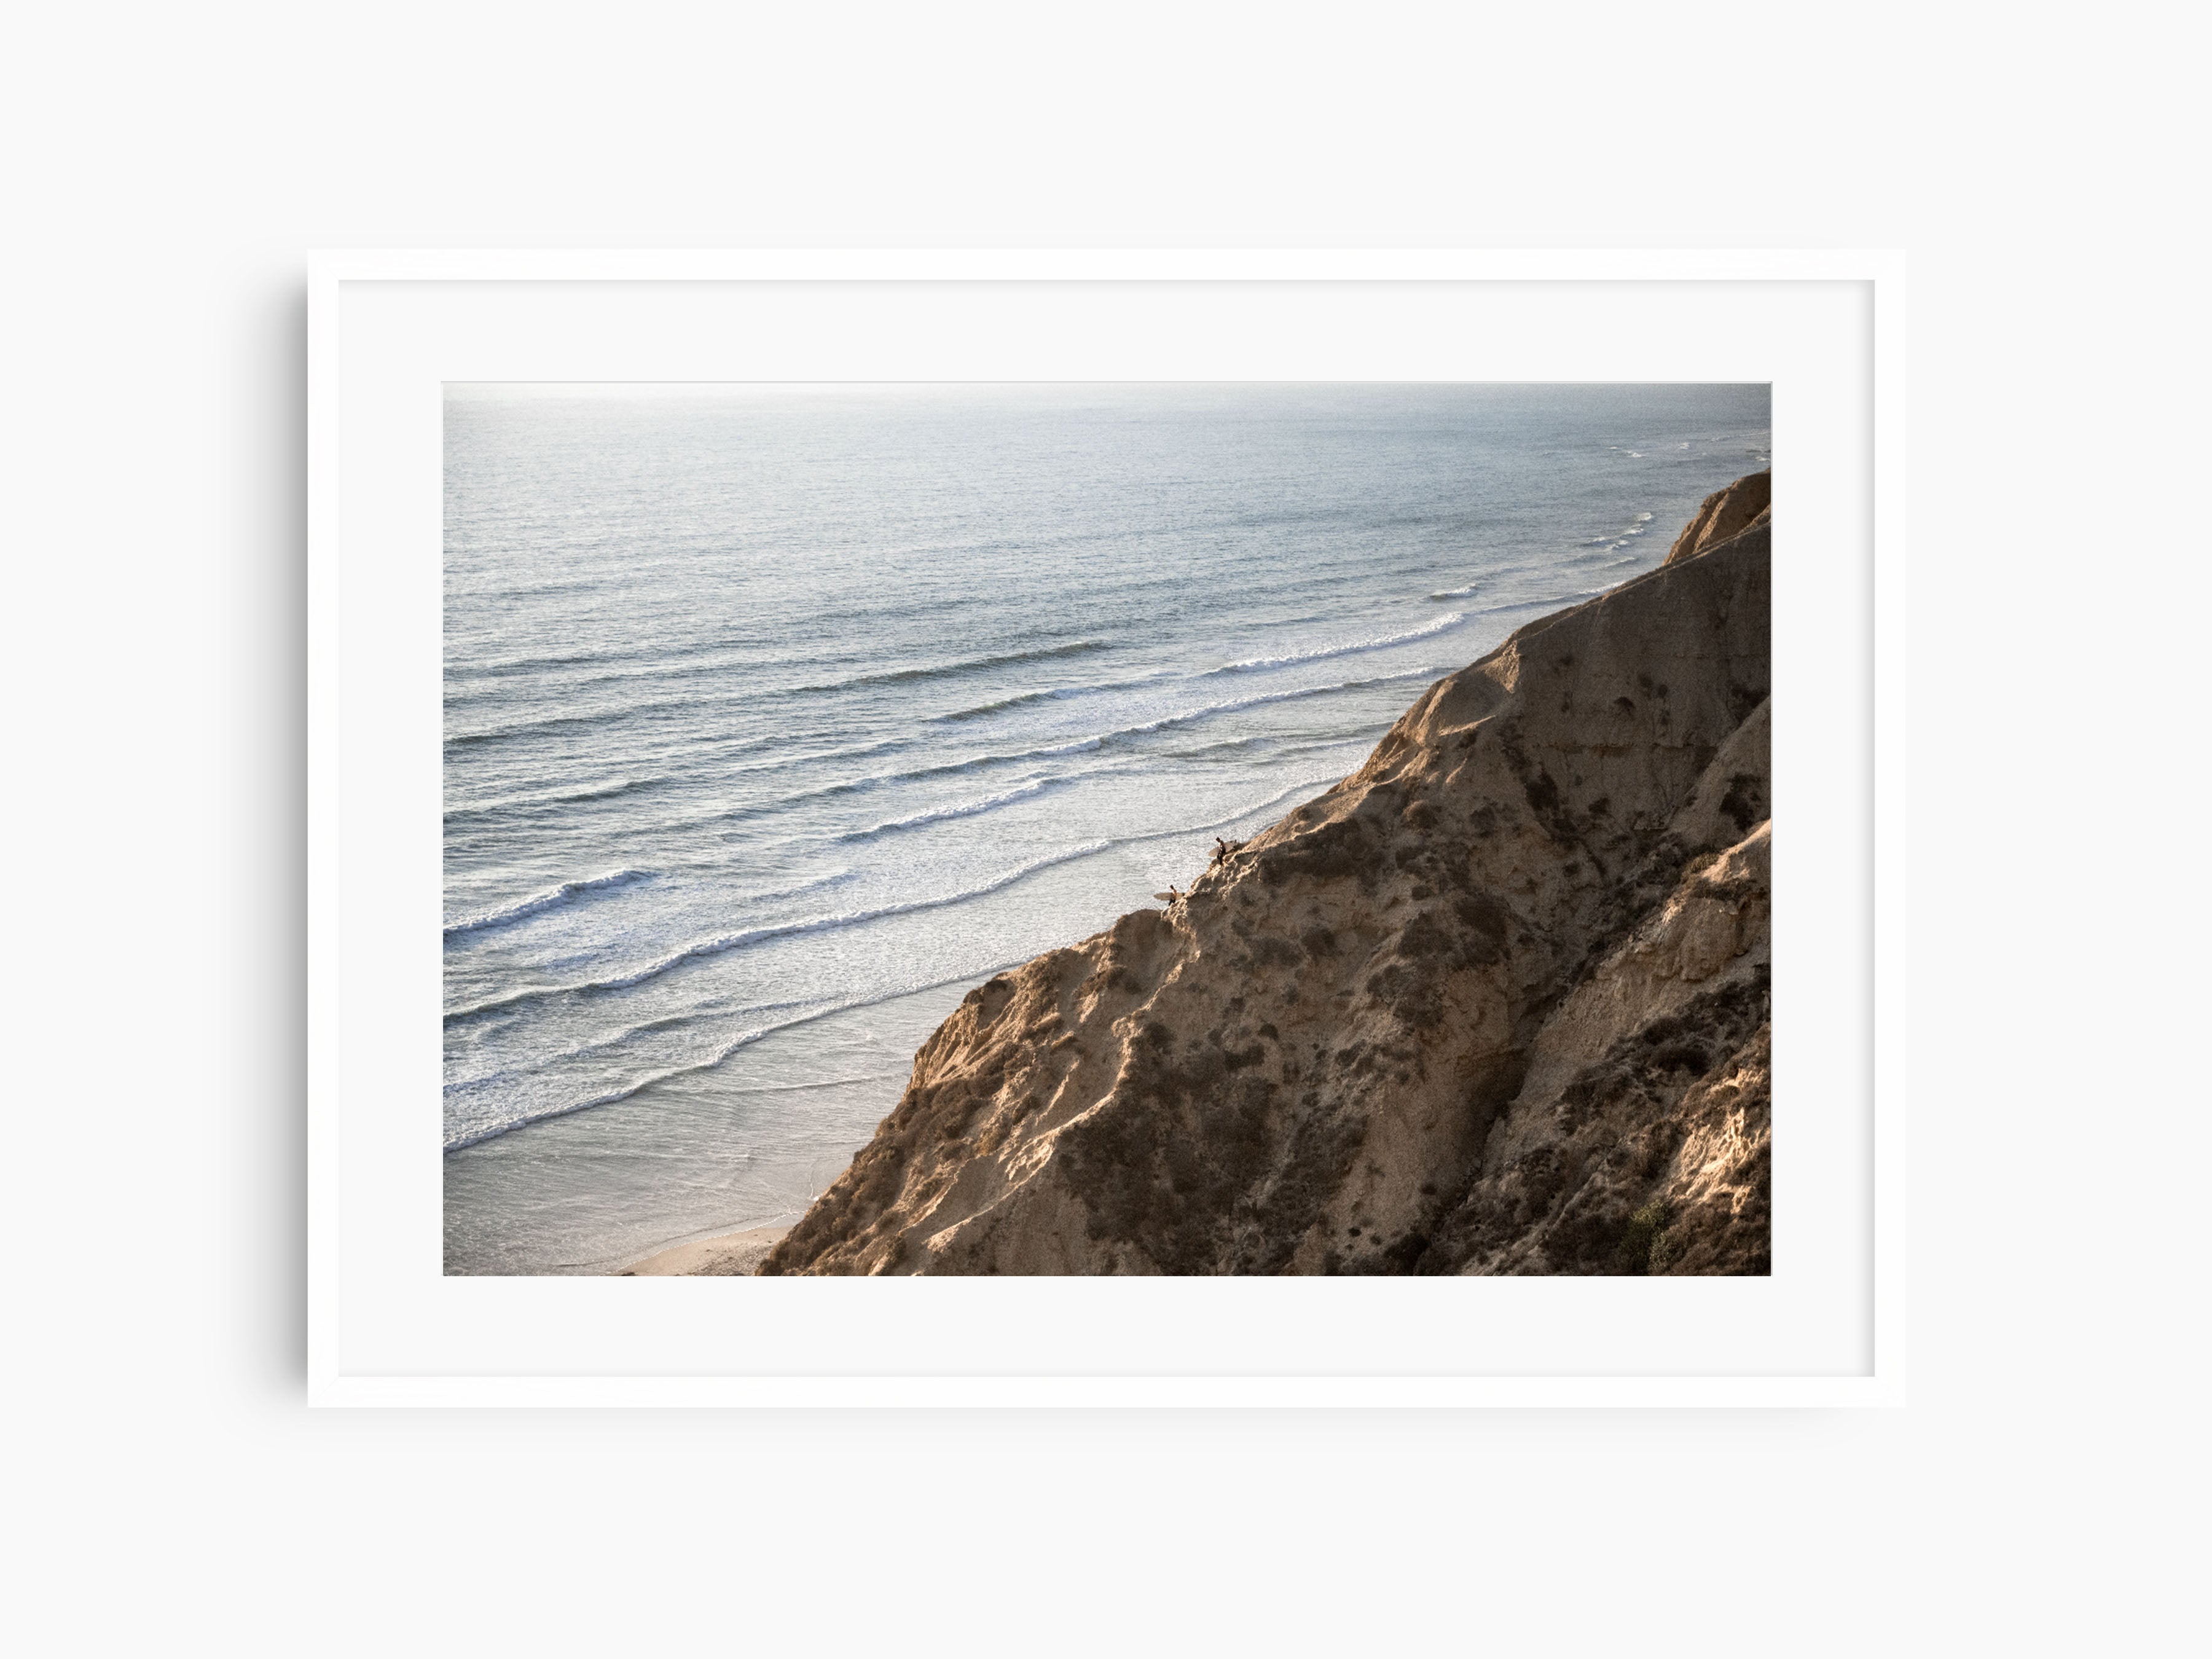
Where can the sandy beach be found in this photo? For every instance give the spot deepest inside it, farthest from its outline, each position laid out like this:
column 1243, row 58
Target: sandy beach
column 731, row 1254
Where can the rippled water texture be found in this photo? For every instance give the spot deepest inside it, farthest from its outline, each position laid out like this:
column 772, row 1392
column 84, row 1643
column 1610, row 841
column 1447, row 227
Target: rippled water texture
column 777, row 718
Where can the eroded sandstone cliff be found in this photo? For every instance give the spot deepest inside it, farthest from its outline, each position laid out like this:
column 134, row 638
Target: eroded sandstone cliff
column 1723, row 514
column 1499, row 1002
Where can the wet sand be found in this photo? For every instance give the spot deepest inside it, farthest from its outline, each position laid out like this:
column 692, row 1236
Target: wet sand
column 731, row 1254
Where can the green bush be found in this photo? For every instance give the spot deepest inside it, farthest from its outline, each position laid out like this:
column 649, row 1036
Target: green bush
column 1642, row 1246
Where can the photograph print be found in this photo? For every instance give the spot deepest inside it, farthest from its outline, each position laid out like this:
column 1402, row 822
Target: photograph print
column 1073, row 828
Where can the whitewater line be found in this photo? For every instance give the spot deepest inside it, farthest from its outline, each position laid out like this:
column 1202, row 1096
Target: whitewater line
column 610, row 1097
column 546, row 900
column 1427, row 630
column 743, row 1039
column 616, row 711
column 727, row 942
column 1027, row 791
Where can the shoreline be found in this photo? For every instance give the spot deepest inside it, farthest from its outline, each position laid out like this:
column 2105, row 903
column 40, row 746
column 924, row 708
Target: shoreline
column 723, row 1255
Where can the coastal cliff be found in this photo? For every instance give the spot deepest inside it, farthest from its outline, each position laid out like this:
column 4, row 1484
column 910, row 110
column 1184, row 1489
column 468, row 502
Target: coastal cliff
column 1499, row 1002
column 1725, row 515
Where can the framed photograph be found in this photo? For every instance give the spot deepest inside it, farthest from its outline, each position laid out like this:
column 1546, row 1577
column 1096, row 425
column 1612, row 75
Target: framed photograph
column 1106, row 827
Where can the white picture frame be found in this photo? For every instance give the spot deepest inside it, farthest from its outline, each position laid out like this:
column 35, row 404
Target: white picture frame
column 387, row 330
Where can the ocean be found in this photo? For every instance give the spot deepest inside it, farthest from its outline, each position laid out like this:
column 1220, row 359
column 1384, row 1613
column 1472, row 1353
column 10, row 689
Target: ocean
column 777, row 718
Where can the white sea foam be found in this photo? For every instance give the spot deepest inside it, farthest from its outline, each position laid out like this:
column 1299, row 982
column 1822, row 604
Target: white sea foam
column 1441, row 624
column 1207, row 711
column 806, row 758
column 476, row 1134
column 812, row 885
column 970, row 809
column 743, row 937
column 1053, row 694
column 546, row 900
column 573, row 720
column 958, row 666
column 615, row 1042
column 1054, row 752
column 606, row 791
column 1243, row 812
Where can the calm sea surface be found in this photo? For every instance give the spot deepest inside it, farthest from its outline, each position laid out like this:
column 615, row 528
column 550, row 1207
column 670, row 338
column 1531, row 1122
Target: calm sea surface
column 776, row 719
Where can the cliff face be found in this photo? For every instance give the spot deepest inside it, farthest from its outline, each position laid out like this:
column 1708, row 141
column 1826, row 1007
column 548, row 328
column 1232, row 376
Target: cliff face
column 1724, row 514
column 1498, row 1002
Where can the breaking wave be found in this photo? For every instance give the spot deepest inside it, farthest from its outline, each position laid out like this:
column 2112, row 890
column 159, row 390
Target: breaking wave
column 964, row 809
column 1442, row 624
column 949, row 670
column 530, row 803
column 743, row 937
column 547, row 900
column 476, row 1134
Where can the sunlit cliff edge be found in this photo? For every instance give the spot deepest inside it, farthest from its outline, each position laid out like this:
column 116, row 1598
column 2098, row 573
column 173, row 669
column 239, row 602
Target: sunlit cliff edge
column 1499, row 1002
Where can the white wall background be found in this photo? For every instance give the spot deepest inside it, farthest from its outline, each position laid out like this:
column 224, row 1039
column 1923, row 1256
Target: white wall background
column 165, row 169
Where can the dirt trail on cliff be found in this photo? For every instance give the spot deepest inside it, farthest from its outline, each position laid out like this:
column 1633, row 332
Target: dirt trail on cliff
column 1498, row 1002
